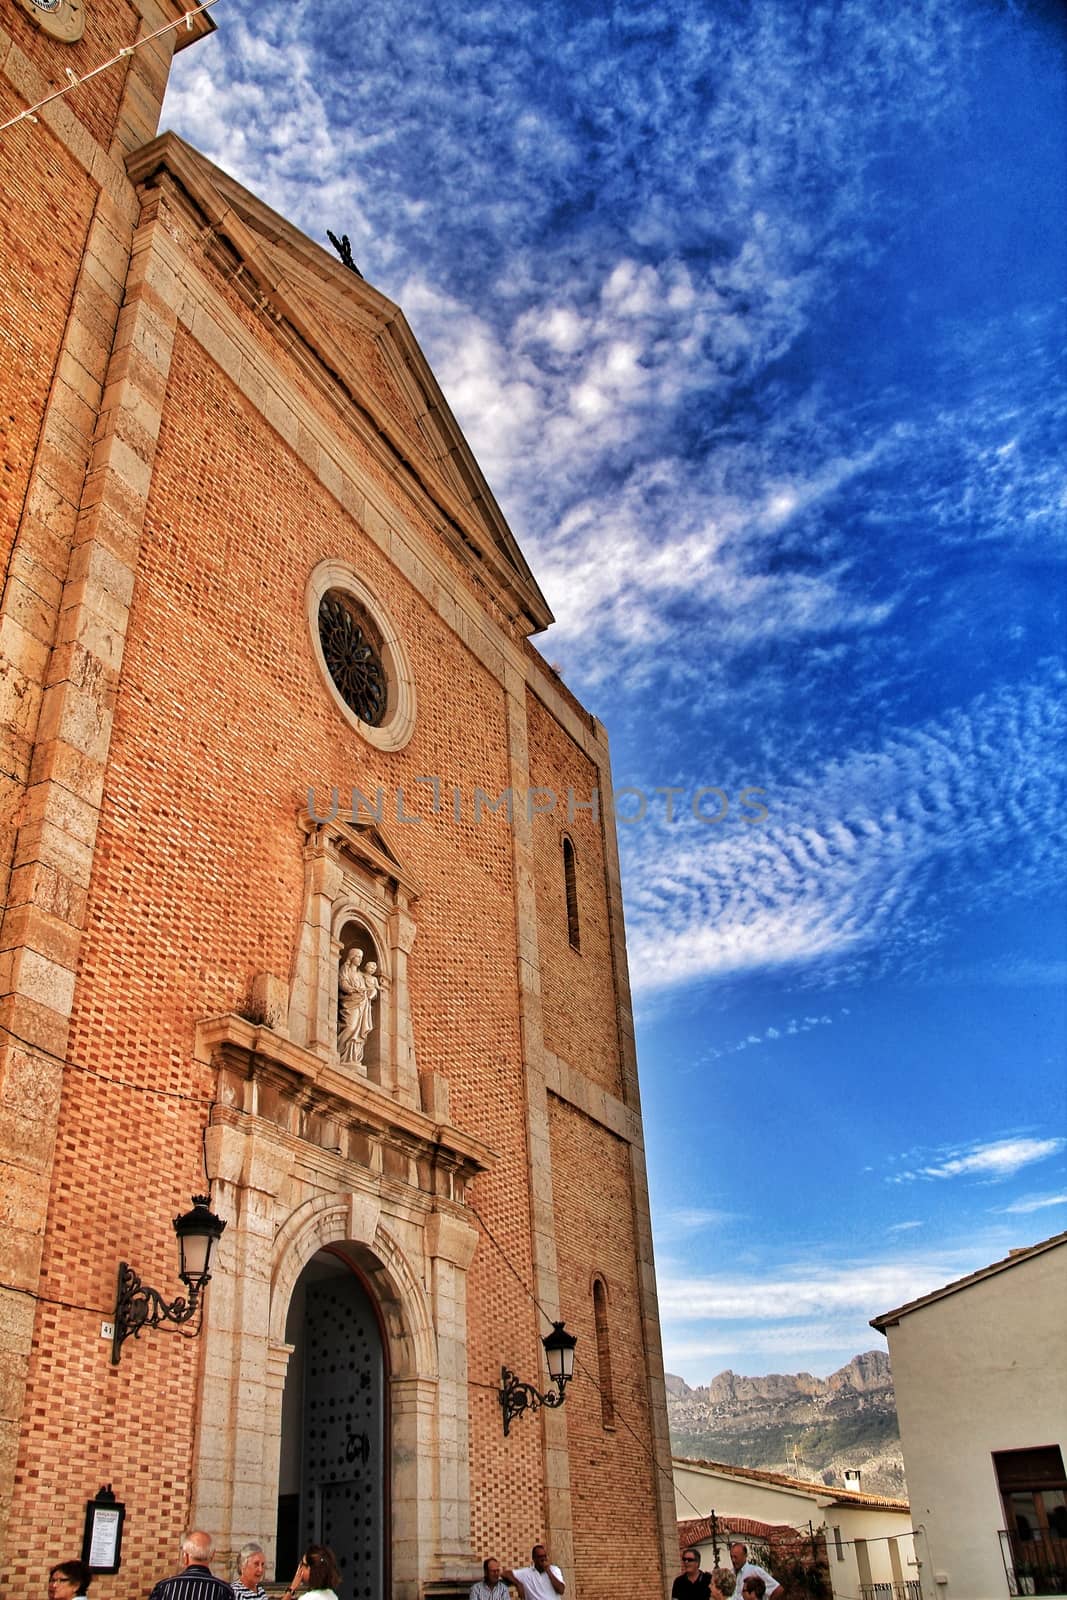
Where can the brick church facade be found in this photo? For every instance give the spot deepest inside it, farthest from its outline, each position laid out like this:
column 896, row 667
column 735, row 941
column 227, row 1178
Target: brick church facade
column 251, row 567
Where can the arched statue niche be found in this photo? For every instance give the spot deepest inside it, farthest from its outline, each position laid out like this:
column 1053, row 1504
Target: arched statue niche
column 360, row 982
column 358, row 897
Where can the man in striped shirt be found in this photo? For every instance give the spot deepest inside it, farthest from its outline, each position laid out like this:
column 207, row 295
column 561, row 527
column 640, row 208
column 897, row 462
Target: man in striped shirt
column 195, row 1581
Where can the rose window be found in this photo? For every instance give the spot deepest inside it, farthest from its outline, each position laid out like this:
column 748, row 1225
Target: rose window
column 353, row 658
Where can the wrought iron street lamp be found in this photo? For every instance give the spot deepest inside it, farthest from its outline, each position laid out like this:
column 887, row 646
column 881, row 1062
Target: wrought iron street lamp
column 138, row 1305
column 517, row 1397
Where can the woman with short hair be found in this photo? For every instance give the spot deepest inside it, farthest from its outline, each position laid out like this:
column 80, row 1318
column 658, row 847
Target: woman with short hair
column 68, row 1580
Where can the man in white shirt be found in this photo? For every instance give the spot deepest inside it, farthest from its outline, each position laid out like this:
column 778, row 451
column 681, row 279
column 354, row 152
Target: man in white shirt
column 744, row 1568
column 542, row 1581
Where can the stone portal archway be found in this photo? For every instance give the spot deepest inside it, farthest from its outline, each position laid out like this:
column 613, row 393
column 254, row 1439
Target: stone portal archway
column 337, row 1260
column 409, row 1251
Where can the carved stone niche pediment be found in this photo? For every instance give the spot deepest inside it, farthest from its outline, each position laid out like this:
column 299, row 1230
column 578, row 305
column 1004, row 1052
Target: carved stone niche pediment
column 349, row 1002
column 269, row 1084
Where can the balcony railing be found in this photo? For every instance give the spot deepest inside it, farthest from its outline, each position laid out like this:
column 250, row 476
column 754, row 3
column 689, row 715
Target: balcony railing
column 907, row 1589
column 1034, row 1566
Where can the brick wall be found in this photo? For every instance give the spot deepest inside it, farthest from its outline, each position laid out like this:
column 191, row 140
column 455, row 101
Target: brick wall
column 612, row 1476
column 221, row 725
column 577, row 987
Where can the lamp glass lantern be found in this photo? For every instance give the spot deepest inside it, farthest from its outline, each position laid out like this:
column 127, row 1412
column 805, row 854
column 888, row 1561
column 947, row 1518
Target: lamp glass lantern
column 198, row 1231
column 559, row 1349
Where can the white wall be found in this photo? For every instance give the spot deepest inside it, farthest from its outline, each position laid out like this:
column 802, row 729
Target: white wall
column 983, row 1369
column 877, row 1528
column 709, row 1491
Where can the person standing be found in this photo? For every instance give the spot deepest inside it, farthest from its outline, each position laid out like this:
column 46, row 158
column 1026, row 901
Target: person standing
column 744, row 1568
column 251, row 1565
column 692, row 1583
column 195, row 1581
column 542, row 1581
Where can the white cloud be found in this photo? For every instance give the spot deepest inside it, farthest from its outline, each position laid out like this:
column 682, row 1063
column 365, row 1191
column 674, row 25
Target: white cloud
column 1033, row 1203
column 903, row 1227
column 805, row 1316
column 999, row 1158
column 867, row 1287
column 794, row 1347
column 691, row 1219
column 795, row 1025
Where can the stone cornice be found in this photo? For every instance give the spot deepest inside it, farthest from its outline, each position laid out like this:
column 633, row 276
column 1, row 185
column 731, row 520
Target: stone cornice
column 246, row 362
column 578, row 1090
column 321, row 1087
column 207, row 317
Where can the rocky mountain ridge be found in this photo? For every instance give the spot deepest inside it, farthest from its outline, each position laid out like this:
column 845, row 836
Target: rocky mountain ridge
column 795, row 1423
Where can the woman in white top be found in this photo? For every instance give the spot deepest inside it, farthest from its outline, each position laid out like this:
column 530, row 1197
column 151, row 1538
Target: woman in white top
column 317, row 1576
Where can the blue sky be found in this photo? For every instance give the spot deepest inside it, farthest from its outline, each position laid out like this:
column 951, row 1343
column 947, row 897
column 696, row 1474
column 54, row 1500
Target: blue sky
column 753, row 312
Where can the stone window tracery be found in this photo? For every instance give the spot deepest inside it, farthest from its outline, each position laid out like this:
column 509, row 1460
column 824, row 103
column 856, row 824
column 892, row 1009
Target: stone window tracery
column 360, row 655
column 353, row 657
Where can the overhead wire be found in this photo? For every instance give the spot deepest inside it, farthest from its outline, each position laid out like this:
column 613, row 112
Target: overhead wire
column 30, row 114
column 587, row 1374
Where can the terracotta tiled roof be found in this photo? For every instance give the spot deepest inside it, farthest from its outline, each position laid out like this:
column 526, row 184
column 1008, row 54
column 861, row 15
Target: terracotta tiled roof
column 826, row 1495
column 1012, row 1259
column 698, row 1530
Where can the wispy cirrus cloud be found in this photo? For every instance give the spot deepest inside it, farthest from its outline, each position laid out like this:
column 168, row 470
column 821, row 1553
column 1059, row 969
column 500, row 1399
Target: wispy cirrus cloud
column 1009, row 971
column 990, row 1160
column 847, row 853
column 716, row 180
column 811, row 1315
column 686, row 1220
column 797, row 1292
column 1031, row 1203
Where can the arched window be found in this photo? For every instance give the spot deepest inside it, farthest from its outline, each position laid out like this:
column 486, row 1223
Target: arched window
column 570, row 884
column 603, row 1353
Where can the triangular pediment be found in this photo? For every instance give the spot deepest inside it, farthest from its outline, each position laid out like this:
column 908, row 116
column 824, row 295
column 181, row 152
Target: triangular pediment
column 376, row 839
column 363, row 342
column 364, row 843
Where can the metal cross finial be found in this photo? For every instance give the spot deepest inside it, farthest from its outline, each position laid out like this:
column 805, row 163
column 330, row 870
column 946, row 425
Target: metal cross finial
column 343, row 246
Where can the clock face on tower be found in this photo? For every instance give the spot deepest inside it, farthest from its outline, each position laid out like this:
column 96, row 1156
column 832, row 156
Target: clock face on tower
column 63, row 19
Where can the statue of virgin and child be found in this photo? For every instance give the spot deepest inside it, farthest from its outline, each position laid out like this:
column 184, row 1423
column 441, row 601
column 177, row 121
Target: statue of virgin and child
column 358, row 988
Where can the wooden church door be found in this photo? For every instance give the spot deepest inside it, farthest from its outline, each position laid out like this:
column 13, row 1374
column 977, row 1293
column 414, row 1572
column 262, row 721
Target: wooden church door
column 342, row 1486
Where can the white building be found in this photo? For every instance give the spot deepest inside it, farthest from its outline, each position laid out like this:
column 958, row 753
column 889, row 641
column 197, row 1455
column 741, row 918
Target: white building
column 980, row 1372
column 868, row 1536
